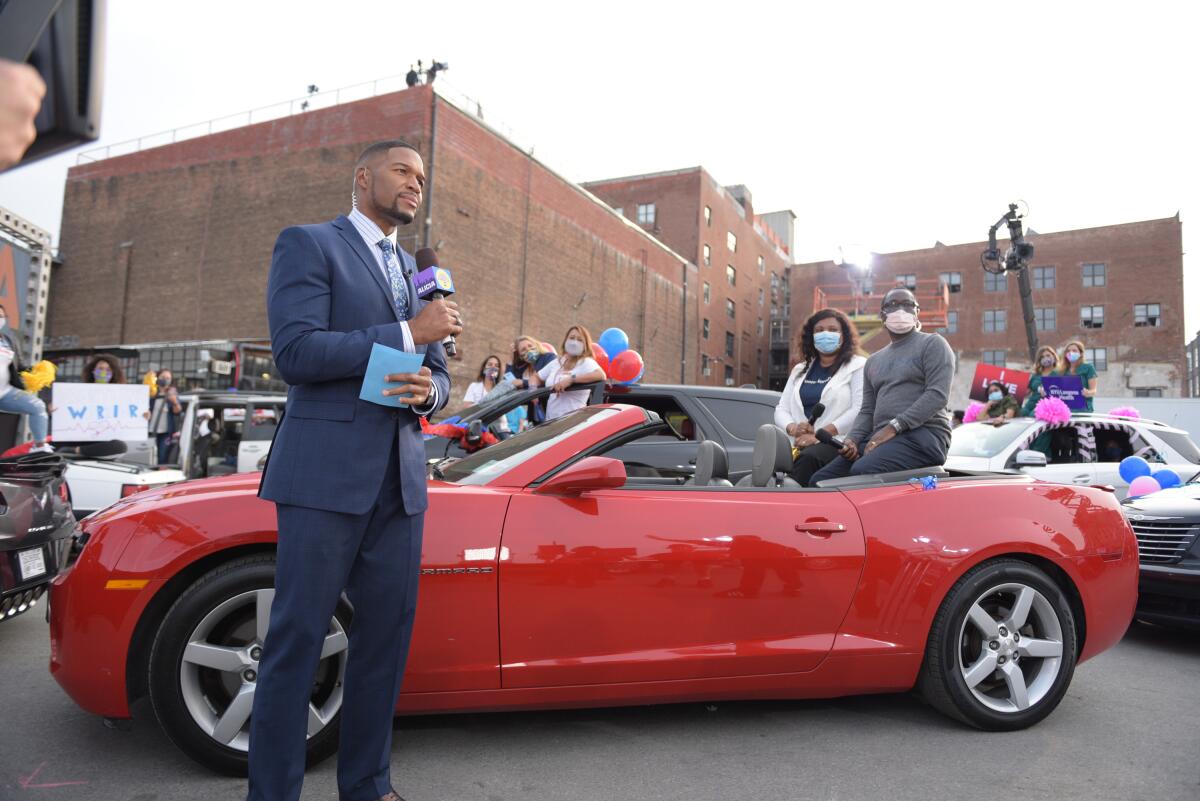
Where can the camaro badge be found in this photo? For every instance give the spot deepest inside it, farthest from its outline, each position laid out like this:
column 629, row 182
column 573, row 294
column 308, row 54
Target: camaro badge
column 454, row 571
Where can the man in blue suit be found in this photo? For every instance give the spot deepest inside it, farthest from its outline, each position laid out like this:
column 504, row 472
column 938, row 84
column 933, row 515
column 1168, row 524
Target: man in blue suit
column 347, row 476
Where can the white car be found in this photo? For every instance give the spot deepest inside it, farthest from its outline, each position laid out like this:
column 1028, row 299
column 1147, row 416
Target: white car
column 96, row 484
column 1088, row 449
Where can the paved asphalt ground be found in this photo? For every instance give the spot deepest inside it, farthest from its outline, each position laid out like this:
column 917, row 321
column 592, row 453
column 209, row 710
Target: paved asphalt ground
column 1128, row 729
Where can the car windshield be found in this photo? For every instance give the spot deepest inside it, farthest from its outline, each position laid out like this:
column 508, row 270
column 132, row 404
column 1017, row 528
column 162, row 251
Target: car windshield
column 488, row 463
column 986, row 440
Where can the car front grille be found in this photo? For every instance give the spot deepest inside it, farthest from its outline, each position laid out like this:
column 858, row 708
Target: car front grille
column 1161, row 543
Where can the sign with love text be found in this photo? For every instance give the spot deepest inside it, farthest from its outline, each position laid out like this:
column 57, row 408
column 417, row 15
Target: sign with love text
column 1017, row 381
column 96, row 412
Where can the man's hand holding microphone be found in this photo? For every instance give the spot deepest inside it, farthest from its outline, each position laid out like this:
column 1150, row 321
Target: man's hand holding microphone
column 438, row 321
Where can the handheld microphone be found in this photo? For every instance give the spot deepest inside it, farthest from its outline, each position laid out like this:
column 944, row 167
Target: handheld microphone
column 818, row 409
column 434, row 283
column 829, row 439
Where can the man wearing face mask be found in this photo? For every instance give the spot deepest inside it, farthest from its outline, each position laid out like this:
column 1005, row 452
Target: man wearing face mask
column 903, row 423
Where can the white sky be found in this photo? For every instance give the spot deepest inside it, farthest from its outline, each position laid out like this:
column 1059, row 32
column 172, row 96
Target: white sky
column 889, row 124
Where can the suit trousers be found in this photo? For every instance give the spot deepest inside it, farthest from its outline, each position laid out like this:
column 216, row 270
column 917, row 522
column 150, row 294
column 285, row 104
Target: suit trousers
column 909, row 450
column 375, row 558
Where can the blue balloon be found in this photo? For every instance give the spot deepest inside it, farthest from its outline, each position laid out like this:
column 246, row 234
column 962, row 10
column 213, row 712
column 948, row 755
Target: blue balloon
column 614, row 341
column 1132, row 467
column 1167, row 478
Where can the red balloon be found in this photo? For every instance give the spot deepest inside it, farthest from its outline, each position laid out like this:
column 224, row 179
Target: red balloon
column 601, row 358
column 626, row 366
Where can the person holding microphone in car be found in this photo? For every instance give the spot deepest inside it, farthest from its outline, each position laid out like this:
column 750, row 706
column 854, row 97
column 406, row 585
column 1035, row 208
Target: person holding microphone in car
column 823, row 391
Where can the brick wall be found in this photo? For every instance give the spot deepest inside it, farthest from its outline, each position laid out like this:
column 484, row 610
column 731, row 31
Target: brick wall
column 175, row 243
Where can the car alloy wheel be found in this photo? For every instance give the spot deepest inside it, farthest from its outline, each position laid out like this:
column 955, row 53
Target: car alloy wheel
column 203, row 667
column 1011, row 647
column 1001, row 651
column 219, row 670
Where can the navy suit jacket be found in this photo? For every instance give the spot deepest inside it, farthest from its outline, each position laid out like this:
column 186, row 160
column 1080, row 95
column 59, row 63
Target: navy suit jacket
column 327, row 304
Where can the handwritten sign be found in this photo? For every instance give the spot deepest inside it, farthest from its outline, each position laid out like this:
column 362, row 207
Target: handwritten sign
column 1068, row 389
column 1017, row 381
column 96, row 412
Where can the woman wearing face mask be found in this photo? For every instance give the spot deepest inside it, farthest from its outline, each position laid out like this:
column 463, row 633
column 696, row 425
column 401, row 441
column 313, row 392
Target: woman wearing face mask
column 1046, row 364
column 527, row 359
column 1001, row 405
column 103, row 368
column 489, row 375
column 829, row 373
column 13, row 397
column 575, row 366
column 1073, row 364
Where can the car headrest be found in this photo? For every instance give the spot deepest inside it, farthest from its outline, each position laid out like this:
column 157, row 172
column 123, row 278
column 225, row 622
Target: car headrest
column 772, row 454
column 711, row 463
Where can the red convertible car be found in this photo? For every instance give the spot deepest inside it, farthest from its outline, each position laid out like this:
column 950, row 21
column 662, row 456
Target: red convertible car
column 553, row 577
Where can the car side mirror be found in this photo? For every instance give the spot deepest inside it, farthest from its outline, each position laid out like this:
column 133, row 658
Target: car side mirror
column 592, row 473
column 1031, row 458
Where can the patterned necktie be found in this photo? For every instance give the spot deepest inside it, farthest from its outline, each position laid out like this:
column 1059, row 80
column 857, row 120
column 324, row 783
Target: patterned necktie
column 395, row 278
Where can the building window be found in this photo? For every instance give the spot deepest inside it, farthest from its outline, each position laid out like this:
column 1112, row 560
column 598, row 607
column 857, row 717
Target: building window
column 951, row 323
column 953, row 281
column 1147, row 392
column 908, row 281
column 1043, row 278
column 994, row 320
column 707, row 256
column 1091, row 316
column 704, row 328
column 995, row 283
column 762, row 266
column 1094, row 275
column 1147, row 315
column 762, row 298
column 730, row 309
column 620, row 210
column 994, row 357
column 1097, row 357
column 1046, row 319
column 760, row 326
column 646, row 213
column 707, row 293
column 729, row 375
column 731, row 275
column 728, row 343
column 704, row 368
column 707, row 217
column 731, row 241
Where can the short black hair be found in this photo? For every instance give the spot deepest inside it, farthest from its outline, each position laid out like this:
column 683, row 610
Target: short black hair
column 1001, row 384
column 382, row 147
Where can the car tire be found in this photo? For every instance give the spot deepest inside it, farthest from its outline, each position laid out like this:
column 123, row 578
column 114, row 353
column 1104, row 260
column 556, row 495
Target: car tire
column 203, row 665
column 999, row 610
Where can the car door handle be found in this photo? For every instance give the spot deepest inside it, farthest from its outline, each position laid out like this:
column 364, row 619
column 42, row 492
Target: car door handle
column 1082, row 478
column 820, row 528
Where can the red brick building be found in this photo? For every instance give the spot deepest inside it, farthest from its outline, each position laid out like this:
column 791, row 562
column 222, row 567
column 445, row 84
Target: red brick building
column 174, row 243
column 741, row 258
column 1118, row 288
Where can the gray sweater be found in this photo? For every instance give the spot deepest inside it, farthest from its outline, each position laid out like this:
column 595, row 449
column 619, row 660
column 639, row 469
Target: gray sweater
column 910, row 381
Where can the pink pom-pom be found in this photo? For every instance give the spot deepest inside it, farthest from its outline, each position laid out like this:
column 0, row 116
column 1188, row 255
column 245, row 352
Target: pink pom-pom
column 973, row 411
column 1126, row 411
column 1052, row 410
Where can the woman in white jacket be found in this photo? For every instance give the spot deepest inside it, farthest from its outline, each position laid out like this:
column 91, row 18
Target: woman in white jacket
column 830, row 372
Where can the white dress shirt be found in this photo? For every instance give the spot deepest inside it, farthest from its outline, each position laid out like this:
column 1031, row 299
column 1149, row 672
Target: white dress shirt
column 372, row 234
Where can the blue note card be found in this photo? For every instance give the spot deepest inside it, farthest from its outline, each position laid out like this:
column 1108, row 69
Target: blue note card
column 384, row 362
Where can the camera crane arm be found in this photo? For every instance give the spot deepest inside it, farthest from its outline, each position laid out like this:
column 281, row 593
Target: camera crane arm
column 1015, row 260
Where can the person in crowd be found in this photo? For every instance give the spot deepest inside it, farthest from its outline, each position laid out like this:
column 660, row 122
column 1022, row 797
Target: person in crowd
column 829, row 373
column 574, row 366
column 13, row 397
column 1001, row 404
column 1074, row 364
column 956, row 417
column 903, row 423
column 528, row 359
column 485, row 382
column 1046, row 364
column 103, row 368
column 516, row 420
column 164, row 414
